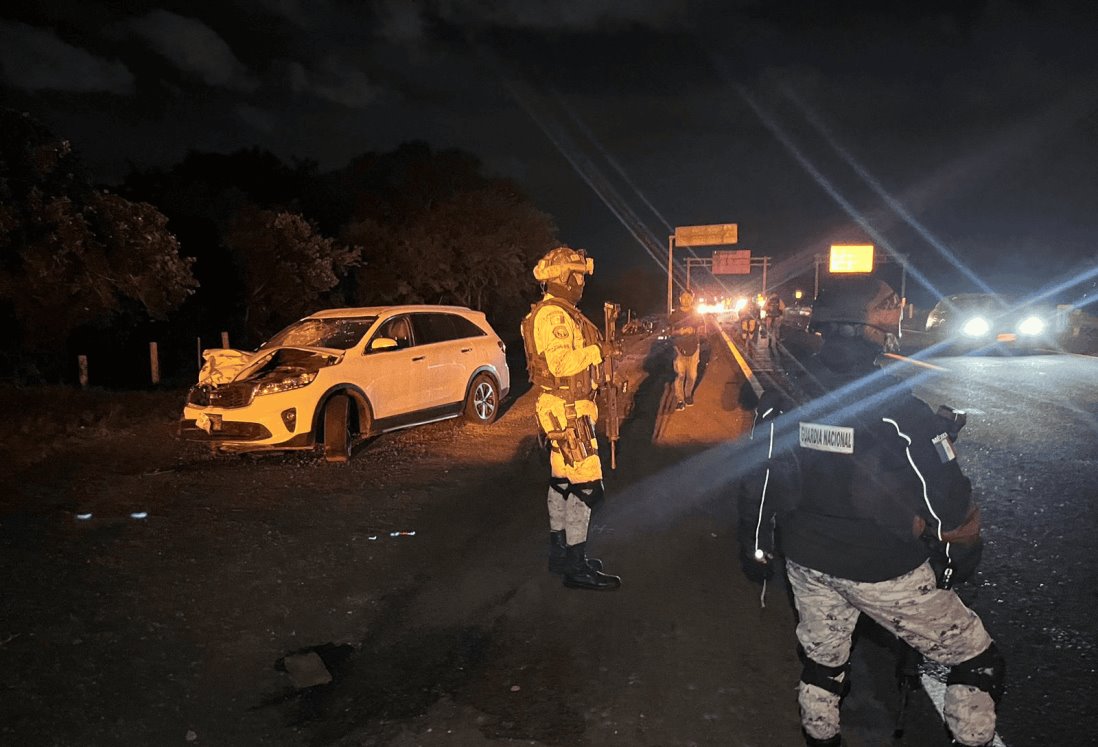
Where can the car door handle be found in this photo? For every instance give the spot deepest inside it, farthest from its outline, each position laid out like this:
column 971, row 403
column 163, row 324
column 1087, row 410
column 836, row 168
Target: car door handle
column 418, row 358
column 466, row 350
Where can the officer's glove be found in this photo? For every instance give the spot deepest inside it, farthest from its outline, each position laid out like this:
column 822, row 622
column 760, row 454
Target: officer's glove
column 959, row 565
column 965, row 549
column 757, row 569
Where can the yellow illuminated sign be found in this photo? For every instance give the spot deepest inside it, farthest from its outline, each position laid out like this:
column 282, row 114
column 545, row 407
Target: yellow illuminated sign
column 713, row 235
column 851, row 258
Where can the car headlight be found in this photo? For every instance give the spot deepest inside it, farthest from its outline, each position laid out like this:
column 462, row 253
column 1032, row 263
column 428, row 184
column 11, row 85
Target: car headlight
column 285, row 385
column 977, row 326
column 1031, row 325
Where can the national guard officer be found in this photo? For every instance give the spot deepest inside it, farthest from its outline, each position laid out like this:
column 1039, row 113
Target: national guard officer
column 563, row 351
column 775, row 309
column 852, row 481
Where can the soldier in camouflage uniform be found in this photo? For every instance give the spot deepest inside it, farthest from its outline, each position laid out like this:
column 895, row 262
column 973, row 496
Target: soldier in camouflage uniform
column 563, row 351
column 851, row 482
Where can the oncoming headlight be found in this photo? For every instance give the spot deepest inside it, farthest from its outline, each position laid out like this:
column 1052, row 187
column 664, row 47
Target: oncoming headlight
column 1031, row 325
column 285, row 385
column 977, row 326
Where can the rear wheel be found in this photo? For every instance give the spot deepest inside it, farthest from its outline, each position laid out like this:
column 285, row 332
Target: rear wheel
column 482, row 402
column 337, row 432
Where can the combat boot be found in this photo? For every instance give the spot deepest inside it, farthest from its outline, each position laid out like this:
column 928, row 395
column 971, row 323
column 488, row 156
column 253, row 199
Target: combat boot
column 558, row 555
column 581, row 575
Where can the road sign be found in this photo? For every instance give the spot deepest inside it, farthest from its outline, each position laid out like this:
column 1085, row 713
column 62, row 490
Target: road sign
column 719, row 233
column 851, row 258
column 735, row 262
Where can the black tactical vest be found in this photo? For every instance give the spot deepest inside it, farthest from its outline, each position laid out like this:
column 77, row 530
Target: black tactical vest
column 570, row 388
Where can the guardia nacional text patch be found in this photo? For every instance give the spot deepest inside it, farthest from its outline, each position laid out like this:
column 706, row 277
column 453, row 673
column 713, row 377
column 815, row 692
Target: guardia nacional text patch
column 834, row 438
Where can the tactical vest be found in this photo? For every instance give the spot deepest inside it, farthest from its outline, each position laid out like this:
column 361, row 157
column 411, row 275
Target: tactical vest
column 569, row 388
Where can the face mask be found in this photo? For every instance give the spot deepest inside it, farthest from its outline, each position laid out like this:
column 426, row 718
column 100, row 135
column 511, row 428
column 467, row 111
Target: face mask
column 568, row 291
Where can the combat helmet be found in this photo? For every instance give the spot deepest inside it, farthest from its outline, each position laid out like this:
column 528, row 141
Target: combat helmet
column 861, row 310
column 857, row 300
column 562, row 270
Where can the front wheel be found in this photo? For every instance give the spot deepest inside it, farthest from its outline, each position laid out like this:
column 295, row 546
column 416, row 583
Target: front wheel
column 337, row 432
column 482, row 402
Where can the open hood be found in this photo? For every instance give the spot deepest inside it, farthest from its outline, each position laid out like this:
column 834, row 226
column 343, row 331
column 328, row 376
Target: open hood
column 224, row 365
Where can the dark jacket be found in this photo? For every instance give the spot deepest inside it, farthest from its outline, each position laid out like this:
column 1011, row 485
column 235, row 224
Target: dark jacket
column 847, row 476
column 686, row 325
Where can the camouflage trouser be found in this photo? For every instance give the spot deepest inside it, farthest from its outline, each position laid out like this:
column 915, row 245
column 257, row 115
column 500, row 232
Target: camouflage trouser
column 933, row 621
column 571, row 515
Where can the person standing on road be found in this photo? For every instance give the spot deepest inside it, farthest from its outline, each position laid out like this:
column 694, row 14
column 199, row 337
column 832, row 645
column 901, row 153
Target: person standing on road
column 775, row 308
column 749, row 327
column 563, row 351
column 853, row 481
column 686, row 328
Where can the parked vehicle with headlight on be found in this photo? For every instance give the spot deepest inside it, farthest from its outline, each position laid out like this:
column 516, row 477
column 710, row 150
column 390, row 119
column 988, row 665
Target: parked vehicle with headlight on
column 342, row 374
column 975, row 321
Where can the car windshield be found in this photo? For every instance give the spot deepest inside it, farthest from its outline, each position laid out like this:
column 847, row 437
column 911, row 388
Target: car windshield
column 989, row 304
column 341, row 333
column 975, row 302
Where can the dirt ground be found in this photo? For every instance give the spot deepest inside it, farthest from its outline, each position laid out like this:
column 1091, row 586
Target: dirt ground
column 416, row 572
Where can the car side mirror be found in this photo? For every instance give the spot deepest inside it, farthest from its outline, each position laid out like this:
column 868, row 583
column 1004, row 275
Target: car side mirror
column 383, row 343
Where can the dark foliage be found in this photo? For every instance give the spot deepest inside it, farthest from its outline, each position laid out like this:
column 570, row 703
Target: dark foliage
column 86, row 271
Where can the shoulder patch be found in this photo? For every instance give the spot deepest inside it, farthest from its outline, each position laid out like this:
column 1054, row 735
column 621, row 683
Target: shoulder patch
column 561, row 332
column 944, row 447
column 838, row 439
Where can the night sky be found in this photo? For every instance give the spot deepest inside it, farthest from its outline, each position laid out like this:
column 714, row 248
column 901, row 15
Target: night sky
column 967, row 129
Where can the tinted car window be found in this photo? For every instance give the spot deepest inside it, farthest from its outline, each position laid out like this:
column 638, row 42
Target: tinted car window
column 398, row 328
column 434, row 328
column 465, row 328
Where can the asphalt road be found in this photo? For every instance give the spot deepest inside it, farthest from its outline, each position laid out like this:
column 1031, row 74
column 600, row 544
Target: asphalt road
column 1031, row 450
column 1030, row 447
column 168, row 629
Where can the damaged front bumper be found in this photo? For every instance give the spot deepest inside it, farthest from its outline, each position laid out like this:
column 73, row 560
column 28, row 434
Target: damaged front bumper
column 274, row 421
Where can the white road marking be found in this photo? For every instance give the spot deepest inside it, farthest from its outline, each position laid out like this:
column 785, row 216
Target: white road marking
column 912, row 361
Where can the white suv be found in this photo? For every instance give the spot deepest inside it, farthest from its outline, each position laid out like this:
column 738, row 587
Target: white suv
column 342, row 373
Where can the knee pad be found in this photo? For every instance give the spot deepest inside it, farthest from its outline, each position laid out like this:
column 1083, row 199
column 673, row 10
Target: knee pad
column 590, row 493
column 824, row 677
column 986, row 671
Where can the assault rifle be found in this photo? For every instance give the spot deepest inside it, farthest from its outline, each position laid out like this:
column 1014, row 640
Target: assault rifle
column 609, row 385
column 907, row 681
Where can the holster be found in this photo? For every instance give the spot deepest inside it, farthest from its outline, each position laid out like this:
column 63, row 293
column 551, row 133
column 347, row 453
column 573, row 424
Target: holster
column 573, row 437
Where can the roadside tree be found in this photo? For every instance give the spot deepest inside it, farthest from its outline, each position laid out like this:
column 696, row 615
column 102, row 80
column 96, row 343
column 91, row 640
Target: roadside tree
column 72, row 255
column 285, row 266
